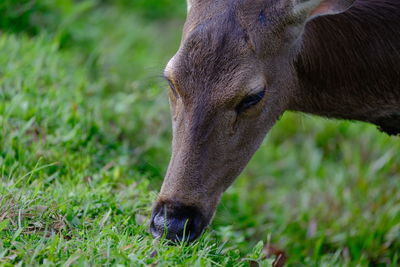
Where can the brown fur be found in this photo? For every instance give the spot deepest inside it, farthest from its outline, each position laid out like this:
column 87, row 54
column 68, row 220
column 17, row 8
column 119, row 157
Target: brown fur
column 305, row 56
column 349, row 65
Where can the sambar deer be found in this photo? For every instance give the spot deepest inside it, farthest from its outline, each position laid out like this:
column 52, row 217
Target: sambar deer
column 243, row 63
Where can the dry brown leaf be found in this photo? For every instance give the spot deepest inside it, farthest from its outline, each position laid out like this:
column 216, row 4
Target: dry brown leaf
column 271, row 250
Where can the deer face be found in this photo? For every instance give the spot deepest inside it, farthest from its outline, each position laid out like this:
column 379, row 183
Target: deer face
column 230, row 80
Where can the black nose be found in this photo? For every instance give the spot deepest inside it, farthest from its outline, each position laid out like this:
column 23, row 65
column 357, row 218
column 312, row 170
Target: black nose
column 177, row 222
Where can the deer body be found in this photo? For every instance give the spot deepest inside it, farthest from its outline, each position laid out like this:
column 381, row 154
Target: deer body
column 243, row 63
column 349, row 65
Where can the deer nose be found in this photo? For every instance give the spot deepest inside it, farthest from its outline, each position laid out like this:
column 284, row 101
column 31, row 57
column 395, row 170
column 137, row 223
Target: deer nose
column 176, row 222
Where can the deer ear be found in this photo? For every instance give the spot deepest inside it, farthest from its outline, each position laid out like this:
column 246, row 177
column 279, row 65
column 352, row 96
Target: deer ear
column 308, row 9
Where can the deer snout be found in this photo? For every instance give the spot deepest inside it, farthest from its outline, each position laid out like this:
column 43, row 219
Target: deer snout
column 177, row 222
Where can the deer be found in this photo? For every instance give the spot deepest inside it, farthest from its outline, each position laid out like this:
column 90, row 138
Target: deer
column 242, row 63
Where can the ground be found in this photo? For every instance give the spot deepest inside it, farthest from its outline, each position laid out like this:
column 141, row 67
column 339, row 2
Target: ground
column 85, row 140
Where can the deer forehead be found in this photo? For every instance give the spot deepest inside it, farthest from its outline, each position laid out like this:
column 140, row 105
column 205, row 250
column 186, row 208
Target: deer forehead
column 249, row 80
column 169, row 69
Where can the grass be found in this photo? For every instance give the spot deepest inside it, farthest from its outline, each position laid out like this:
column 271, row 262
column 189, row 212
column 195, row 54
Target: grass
column 85, row 138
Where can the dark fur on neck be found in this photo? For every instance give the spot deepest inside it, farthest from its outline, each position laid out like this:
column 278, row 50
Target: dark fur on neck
column 349, row 65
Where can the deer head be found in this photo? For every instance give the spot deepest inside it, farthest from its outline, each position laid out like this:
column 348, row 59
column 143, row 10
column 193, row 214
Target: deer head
column 230, row 81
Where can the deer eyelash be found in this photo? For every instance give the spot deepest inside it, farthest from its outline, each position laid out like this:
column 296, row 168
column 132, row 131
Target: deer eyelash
column 172, row 87
column 249, row 101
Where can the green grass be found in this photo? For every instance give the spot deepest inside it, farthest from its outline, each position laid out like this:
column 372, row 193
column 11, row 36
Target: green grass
column 84, row 143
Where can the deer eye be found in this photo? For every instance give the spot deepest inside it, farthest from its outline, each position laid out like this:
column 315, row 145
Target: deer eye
column 172, row 87
column 249, row 101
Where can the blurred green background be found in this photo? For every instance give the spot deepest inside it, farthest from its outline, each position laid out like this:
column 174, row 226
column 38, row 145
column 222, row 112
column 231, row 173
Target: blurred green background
column 85, row 140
